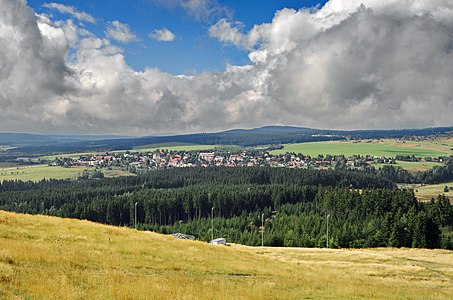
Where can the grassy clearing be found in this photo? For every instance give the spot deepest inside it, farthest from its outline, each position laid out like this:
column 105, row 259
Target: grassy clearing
column 412, row 166
column 52, row 258
column 387, row 148
column 426, row 192
column 38, row 172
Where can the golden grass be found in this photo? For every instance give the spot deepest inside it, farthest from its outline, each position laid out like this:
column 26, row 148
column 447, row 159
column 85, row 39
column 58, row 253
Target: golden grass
column 46, row 257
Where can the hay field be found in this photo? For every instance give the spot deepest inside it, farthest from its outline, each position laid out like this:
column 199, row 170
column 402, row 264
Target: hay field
column 50, row 258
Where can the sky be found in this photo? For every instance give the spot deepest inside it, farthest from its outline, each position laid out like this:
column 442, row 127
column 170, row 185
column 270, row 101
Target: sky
column 147, row 67
column 188, row 49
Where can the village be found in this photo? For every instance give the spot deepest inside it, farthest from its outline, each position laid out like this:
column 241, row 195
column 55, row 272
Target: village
column 163, row 159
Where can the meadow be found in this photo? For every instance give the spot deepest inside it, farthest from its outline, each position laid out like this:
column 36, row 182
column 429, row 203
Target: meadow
column 52, row 258
column 38, row 172
column 426, row 192
column 387, row 148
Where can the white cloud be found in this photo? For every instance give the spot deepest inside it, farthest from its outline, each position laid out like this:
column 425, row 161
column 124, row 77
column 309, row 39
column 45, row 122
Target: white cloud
column 163, row 35
column 120, row 32
column 386, row 64
column 71, row 10
column 229, row 32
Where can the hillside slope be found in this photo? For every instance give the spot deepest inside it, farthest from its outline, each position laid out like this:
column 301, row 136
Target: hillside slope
column 48, row 257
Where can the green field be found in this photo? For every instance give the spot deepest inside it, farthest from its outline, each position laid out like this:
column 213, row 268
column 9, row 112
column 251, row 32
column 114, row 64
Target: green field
column 38, row 172
column 45, row 257
column 387, row 148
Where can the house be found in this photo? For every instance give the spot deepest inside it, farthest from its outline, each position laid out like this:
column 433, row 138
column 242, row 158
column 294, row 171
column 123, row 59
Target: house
column 219, row 241
column 206, row 156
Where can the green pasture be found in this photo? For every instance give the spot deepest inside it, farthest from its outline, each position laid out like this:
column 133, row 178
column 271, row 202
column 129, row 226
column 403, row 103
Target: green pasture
column 387, row 148
column 38, row 172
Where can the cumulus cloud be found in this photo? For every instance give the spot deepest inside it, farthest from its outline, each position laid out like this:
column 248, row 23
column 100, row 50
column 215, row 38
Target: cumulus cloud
column 71, row 10
column 120, row 32
column 383, row 64
column 162, row 35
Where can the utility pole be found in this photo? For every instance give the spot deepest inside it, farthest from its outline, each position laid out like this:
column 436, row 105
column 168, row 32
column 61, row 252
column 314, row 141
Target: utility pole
column 328, row 216
column 262, row 230
column 212, row 223
column 135, row 218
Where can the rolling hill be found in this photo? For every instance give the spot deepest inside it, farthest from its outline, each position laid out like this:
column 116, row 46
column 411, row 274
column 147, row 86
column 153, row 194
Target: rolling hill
column 243, row 137
column 53, row 258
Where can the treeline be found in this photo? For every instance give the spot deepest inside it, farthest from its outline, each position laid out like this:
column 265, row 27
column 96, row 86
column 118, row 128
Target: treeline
column 373, row 218
column 365, row 210
column 176, row 178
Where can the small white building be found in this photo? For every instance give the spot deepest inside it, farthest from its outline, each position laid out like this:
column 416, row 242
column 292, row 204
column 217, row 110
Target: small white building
column 219, row 241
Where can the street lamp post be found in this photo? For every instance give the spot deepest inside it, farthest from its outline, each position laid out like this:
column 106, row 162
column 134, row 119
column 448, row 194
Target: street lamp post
column 212, row 223
column 135, row 217
column 262, row 230
column 328, row 216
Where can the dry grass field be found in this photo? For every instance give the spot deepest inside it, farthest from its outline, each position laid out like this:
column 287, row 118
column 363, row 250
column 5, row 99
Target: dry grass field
column 51, row 258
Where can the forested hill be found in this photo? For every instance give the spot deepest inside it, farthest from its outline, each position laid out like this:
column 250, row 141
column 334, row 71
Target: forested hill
column 364, row 210
column 251, row 137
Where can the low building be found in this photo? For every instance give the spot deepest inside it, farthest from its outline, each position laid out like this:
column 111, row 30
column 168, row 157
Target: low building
column 219, row 241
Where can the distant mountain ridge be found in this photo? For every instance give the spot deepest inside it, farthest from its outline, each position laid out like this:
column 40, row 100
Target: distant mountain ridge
column 266, row 135
column 17, row 139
